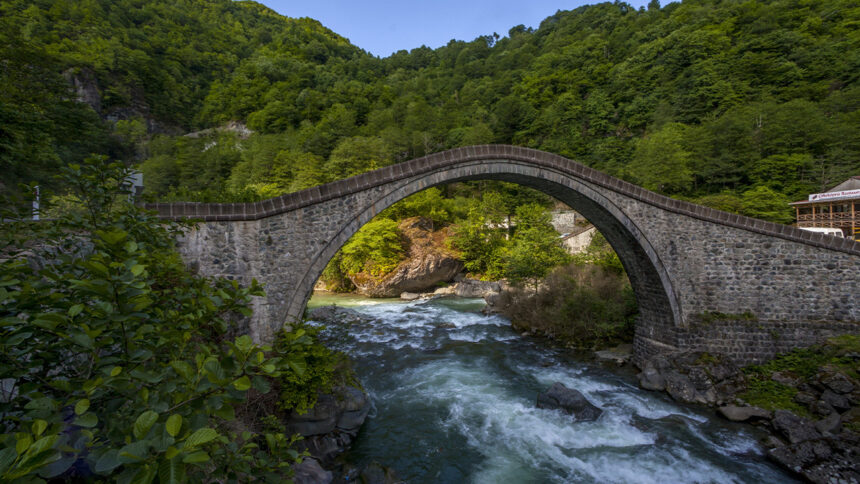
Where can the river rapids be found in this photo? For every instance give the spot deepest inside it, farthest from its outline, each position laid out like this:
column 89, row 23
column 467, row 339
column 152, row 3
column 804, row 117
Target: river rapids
column 454, row 395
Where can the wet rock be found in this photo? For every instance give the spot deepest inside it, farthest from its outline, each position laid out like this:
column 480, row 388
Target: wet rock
column 821, row 408
column 476, row 288
column 376, row 473
column 694, row 377
column 742, row 414
column 851, row 417
column 336, row 314
column 570, row 401
column 839, row 383
column 805, row 398
column 651, row 379
column 681, row 388
column 618, row 355
column 795, row 429
column 309, row 471
column 409, row 296
column 824, row 460
column 839, row 402
column 830, row 424
column 330, row 426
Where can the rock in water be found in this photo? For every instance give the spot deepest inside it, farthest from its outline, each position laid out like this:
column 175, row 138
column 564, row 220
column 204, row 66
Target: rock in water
column 569, row 401
column 742, row 414
column 310, row 472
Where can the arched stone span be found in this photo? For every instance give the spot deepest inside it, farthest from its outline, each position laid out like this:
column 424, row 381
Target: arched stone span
column 703, row 278
column 649, row 278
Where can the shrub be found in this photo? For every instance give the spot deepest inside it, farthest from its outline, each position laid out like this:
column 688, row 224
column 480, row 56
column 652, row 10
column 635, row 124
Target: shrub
column 582, row 305
column 119, row 363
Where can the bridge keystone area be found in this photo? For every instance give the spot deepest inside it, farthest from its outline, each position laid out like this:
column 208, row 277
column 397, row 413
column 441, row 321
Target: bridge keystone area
column 703, row 278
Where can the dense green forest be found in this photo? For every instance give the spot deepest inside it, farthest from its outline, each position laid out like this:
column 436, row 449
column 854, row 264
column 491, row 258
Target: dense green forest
column 741, row 105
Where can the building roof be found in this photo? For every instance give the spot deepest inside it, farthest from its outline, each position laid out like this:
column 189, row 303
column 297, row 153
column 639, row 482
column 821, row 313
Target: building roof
column 852, row 183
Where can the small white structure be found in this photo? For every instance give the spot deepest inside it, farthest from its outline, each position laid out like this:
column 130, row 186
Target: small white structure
column 825, row 230
column 577, row 242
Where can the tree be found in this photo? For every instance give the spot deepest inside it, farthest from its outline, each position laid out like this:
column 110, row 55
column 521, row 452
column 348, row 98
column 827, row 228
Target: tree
column 764, row 203
column 661, row 161
column 536, row 247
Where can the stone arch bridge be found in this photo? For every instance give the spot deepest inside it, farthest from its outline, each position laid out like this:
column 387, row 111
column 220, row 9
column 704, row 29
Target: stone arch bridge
column 703, row 278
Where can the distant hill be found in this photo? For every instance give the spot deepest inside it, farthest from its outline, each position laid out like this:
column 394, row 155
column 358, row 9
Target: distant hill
column 742, row 105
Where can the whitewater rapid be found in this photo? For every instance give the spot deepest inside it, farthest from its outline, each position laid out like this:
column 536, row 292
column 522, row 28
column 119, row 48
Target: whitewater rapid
column 454, row 396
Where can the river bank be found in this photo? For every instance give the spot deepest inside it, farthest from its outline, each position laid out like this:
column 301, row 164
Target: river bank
column 454, row 396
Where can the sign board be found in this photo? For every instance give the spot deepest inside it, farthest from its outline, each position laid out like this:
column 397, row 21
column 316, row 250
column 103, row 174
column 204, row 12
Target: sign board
column 814, row 197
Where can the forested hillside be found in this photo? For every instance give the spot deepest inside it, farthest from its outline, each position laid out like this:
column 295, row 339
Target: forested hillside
column 741, row 105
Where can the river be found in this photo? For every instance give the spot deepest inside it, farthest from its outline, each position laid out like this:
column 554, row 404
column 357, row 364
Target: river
column 454, row 395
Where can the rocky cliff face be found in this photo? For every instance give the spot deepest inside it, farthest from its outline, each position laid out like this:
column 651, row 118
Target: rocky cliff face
column 429, row 262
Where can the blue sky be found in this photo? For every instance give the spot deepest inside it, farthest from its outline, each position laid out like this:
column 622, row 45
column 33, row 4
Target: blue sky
column 383, row 27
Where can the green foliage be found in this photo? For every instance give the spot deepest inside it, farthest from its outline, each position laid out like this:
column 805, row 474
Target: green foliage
column 692, row 99
column 315, row 367
column 121, row 362
column 661, row 160
column 763, row 202
column 375, row 249
column 535, row 248
column 581, row 305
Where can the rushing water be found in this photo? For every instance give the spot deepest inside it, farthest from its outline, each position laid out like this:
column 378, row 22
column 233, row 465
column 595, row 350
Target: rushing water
column 454, row 396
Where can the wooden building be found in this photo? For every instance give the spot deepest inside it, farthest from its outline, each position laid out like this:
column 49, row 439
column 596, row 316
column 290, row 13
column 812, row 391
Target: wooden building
column 837, row 208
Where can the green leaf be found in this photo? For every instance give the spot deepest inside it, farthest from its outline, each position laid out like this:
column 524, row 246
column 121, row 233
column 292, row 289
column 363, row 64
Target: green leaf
column 242, row 384
column 143, row 423
column 108, row 462
column 171, row 452
column 200, row 437
column 87, row 420
column 298, row 365
column 58, row 467
column 173, row 424
column 137, row 269
column 171, row 471
column 244, row 343
column 38, row 427
column 23, row 443
column 42, row 444
column 82, row 406
column 75, row 310
column 227, row 412
column 184, row 369
column 116, row 371
column 196, row 458
column 7, row 456
column 146, row 475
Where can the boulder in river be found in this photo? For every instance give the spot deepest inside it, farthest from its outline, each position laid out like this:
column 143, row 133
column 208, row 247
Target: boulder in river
column 569, row 401
column 736, row 413
column 336, row 314
column 309, row 471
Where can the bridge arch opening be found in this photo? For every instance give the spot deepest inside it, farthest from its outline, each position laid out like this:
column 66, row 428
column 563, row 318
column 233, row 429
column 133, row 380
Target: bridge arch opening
column 659, row 307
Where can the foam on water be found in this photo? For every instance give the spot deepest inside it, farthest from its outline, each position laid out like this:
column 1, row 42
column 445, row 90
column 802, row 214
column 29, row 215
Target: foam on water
column 454, row 401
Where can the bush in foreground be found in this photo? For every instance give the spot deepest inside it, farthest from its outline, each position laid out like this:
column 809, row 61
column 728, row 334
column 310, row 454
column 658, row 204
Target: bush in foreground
column 119, row 364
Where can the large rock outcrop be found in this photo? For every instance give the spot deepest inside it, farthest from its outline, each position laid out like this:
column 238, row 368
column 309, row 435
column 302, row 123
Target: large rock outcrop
column 429, row 262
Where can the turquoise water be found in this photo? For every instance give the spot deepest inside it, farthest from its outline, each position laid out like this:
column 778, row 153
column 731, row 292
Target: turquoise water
column 454, row 396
